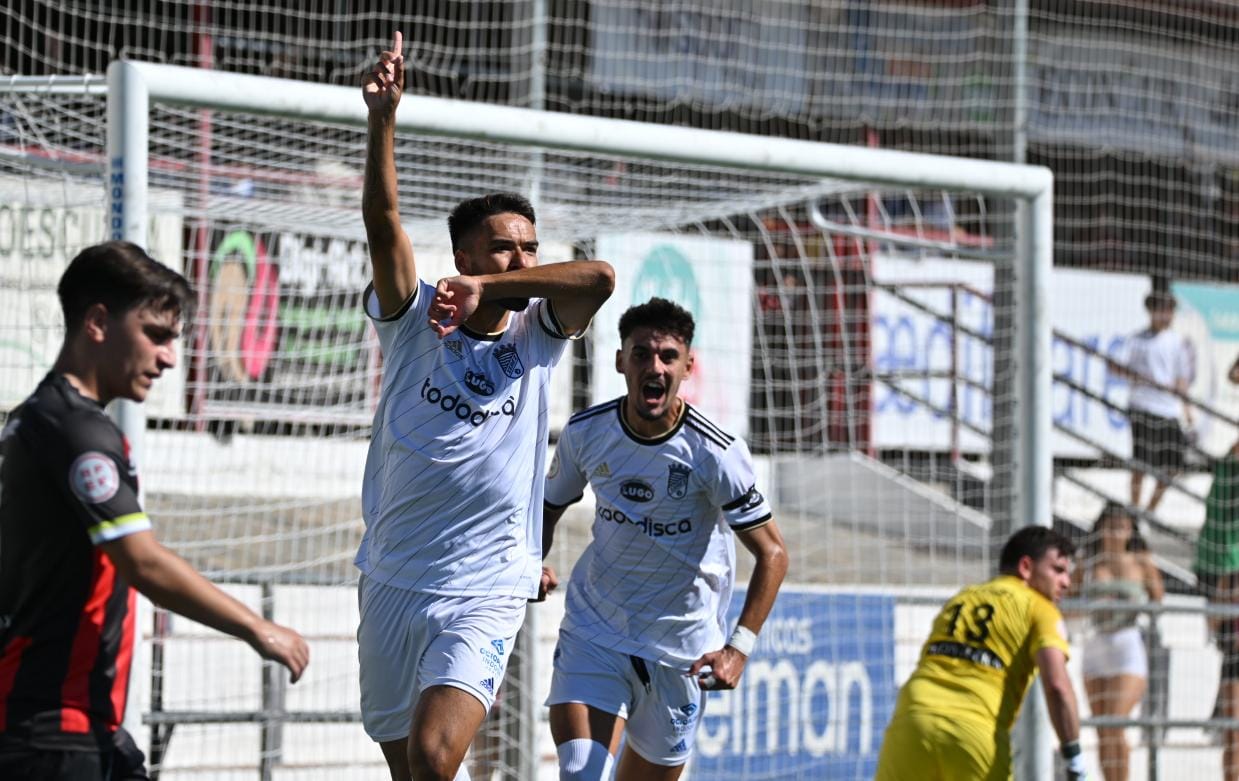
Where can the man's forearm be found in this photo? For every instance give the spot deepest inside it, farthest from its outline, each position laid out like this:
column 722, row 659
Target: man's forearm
column 1060, row 701
column 379, row 200
column 550, row 518
column 768, row 574
column 574, row 278
column 171, row 582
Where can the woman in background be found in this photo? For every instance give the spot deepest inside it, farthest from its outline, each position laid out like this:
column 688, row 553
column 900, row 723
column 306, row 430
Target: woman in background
column 1116, row 567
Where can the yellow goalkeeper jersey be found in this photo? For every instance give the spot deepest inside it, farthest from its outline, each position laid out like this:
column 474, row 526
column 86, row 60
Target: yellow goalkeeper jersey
column 981, row 654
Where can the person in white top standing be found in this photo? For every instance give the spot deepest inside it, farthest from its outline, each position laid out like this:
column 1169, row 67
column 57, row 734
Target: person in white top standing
column 643, row 630
column 452, row 495
column 1160, row 365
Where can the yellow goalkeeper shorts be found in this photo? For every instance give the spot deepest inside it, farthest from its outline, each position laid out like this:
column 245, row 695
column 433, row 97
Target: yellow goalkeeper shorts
column 937, row 747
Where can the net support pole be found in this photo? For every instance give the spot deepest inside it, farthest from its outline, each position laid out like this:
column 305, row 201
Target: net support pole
column 128, row 110
column 1031, row 447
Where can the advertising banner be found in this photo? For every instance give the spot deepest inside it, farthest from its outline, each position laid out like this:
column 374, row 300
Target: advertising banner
column 720, row 53
column 1133, row 91
column 816, row 694
column 285, row 328
column 39, row 235
column 1099, row 310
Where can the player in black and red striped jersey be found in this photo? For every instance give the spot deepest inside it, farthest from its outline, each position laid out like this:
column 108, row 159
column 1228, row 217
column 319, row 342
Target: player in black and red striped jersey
column 74, row 540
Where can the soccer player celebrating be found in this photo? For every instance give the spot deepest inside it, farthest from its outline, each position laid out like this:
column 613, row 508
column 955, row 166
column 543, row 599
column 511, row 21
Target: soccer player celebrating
column 643, row 629
column 74, row 539
column 452, row 495
column 953, row 718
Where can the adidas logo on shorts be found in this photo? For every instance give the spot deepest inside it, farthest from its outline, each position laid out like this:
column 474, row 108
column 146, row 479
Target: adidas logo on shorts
column 489, row 685
column 680, row 747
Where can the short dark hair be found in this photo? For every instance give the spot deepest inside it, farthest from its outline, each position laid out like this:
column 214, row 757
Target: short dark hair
column 1159, row 301
column 471, row 213
column 1034, row 542
column 121, row 276
column 660, row 315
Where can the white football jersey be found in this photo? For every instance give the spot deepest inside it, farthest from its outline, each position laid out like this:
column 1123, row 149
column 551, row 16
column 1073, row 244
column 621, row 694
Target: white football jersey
column 656, row 579
column 452, row 495
column 1165, row 357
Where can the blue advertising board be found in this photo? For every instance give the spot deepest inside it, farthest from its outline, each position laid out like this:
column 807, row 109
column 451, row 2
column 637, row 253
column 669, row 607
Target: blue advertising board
column 815, row 697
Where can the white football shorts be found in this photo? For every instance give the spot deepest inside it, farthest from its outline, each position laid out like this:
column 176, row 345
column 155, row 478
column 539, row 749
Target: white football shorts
column 662, row 705
column 408, row 641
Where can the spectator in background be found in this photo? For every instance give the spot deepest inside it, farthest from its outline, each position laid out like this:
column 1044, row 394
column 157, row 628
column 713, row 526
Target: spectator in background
column 1217, row 570
column 1116, row 566
column 1160, row 366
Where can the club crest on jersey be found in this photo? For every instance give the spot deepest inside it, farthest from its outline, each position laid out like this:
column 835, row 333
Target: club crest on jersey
column 94, row 477
column 637, row 491
column 478, row 383
column 455, row 347
column 677, row 480
column 509, row 361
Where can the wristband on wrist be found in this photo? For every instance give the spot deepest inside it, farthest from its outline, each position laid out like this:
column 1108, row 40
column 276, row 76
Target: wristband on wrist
column 1070, row 749
column 743, row 640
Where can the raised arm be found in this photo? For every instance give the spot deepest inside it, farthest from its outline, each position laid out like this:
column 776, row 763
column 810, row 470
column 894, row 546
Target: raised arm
column 769, row 568
column 391, row 254
column 170, row 581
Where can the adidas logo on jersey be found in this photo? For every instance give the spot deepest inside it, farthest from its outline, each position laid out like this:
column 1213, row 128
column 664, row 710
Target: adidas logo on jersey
column 489, row 685
column 602, row 470
column 455, row 347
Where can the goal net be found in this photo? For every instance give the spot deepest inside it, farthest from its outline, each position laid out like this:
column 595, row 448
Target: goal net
column 888, row 409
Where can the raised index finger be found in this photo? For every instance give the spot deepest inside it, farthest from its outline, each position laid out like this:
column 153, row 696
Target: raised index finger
column 397, row 43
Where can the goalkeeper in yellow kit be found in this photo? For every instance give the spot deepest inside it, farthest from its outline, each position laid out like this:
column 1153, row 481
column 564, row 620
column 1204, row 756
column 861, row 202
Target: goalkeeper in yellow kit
column 954, row 715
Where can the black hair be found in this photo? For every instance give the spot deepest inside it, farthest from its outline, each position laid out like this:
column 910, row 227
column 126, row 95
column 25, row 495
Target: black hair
column 660, row 315
column 471, row 213
column 1135, row 544
column 1159, row 301
column 121, row 276
column 1034, row 542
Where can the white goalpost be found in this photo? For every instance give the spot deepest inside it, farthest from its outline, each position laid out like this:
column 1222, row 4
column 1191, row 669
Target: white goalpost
column 853, row 371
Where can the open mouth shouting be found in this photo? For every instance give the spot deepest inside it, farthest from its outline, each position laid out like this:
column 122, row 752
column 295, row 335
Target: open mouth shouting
column 654, row 393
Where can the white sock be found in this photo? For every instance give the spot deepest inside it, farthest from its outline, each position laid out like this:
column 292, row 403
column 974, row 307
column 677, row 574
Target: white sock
column 583, row 760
